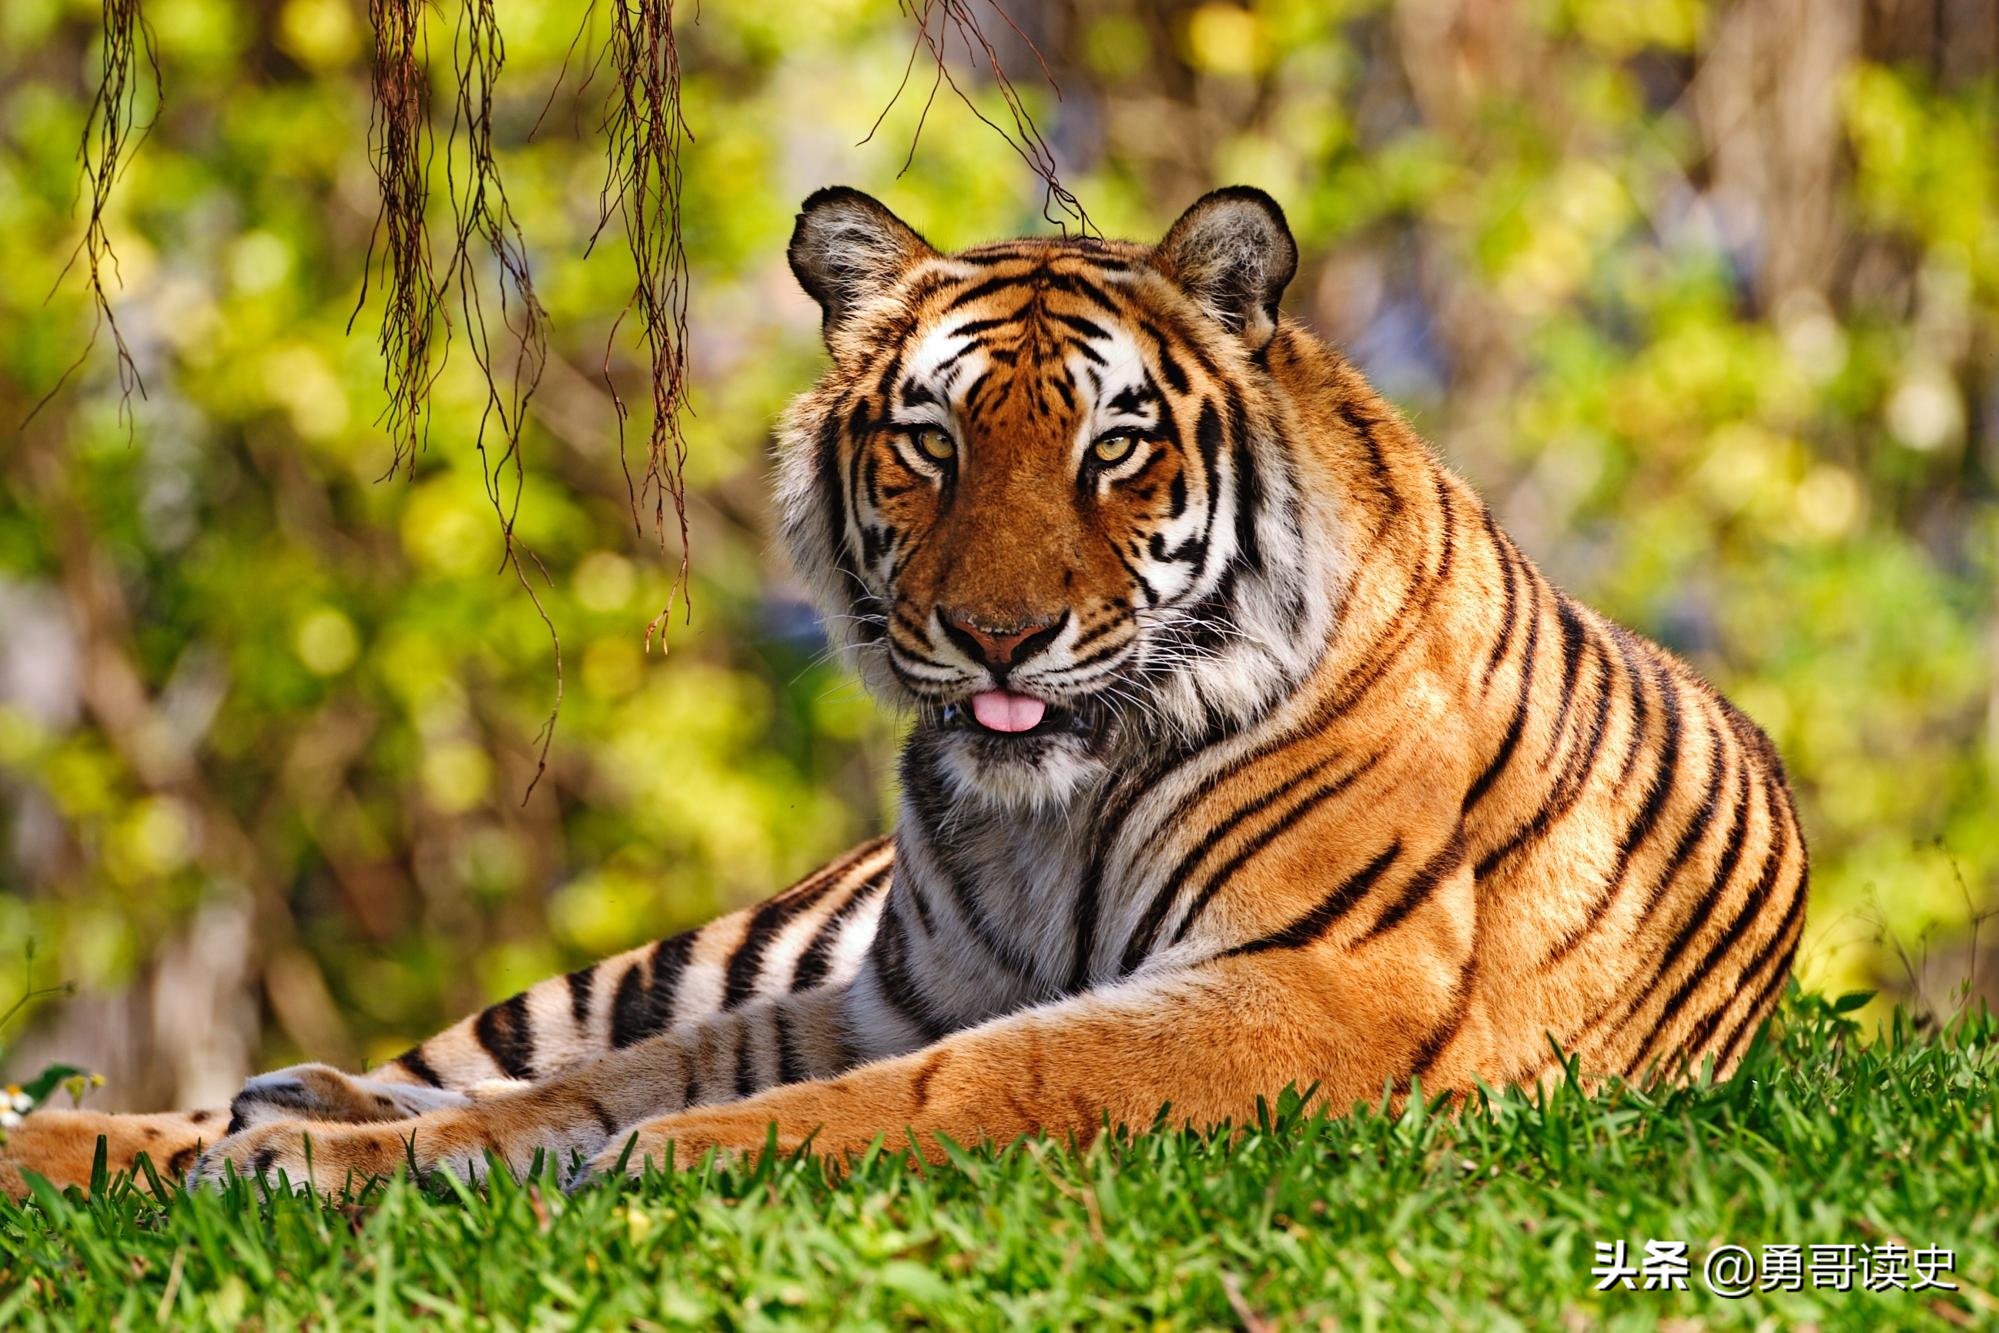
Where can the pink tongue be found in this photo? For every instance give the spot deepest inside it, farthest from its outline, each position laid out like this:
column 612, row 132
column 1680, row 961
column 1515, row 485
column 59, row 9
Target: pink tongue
column 1003, row 710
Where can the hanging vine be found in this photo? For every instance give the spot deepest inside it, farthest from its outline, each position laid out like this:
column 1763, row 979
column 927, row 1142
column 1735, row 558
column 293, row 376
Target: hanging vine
column 486, row 234
column 937, row 22
column 111, row 129
column 645, row 128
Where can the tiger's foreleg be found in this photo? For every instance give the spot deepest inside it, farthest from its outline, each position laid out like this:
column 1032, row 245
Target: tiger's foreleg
column 567, row 1117
column 1200, row 1046
column 1205, row 1040
column 796, row 938
column 61, row 1145
column 804, row 937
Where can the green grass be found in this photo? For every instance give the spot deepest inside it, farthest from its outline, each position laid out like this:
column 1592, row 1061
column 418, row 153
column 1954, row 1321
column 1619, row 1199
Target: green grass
column 1484, row 1218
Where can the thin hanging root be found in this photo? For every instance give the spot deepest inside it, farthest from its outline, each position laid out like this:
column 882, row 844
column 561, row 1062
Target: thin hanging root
column 484, row 224
column 645, row 129
column 937, row 21
column 399, row 149
column 485, row 247
column 108, row 135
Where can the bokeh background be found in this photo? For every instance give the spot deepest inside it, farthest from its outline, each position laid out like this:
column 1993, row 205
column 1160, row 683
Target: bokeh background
column 1704, row 297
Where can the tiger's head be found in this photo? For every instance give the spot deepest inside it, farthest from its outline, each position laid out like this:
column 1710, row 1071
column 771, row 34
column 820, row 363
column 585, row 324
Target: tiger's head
column 1046, row 491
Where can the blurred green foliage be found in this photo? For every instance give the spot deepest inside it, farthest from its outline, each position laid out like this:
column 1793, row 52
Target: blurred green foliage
column 1711, row 314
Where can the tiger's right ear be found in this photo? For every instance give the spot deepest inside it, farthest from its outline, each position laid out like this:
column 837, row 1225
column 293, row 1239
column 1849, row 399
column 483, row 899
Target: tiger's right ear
column 848, row 248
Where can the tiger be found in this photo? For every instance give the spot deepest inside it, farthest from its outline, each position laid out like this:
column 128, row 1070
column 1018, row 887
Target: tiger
column 1245, row 752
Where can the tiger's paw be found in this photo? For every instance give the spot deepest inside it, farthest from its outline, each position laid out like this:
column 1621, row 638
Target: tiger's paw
column 300, row 1155
column 323, row 1093
column 61, row 1146
column 330, row 1158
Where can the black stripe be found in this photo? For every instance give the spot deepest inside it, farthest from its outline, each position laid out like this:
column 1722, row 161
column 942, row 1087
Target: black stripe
column 1377, row 463
column 1249, row 506
column 1665, row 777
column 419, row 1068
column 973, row 327
column 1270, row 832
column 1570, row 783
column 1421, row 885
column 816, row 959
column 1145, row 588
column 1719, row 767
column 643, row 1004
column 504, row 1030
column 1509, row 609
column 1571, row 626
column 746, row 1074
column 1088, row 328
column 1309, row 928
column 1449, row 532
column 1634, row 676
column 1027, row 250
column 858, row 427
column 1075, row 284
column 831, row 493
column 1698, row 914
column 1501, row 757
column 1132, row 398
column 580, row 983
column 920, row 900
column 1147, row 928
column 1208, row 440
column 1766, row 998
column 832, row 496
column 1442, row 1035
column 790, row 1069
column 898, row 988
column 1754, row 900
column 1401, row 629
column 984, row 288
column 767, row 921
column 287, row 1097
column 1079, row 662
column 1753, row 904
column 1169, row 365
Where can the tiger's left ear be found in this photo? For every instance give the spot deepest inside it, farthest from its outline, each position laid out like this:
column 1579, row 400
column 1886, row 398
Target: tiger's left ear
column 1233, row 253
column 847, row 248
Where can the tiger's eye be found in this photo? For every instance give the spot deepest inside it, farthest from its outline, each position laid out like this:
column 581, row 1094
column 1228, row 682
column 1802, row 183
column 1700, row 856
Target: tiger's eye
column 935, row 444
column 1113, row 448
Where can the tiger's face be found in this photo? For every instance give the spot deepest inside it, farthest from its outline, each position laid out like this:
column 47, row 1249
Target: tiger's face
column 1044, row 489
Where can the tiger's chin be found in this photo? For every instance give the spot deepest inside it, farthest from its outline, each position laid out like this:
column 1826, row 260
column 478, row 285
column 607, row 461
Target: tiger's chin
column 1065, row 753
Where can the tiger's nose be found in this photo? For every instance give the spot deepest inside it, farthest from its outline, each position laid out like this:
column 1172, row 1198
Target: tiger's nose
column 1001, row 645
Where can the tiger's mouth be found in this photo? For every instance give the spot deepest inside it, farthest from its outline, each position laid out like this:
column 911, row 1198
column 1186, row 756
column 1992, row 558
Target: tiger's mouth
column 1009, row 718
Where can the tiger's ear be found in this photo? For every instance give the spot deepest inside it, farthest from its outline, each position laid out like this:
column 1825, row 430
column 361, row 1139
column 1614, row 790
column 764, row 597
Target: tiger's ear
column 847, row 247
column 1233, row 253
